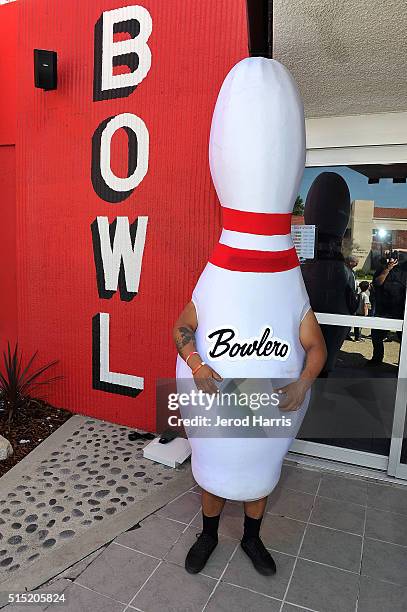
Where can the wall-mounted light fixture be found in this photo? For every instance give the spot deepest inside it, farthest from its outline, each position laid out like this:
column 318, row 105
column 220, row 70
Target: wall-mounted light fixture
column 45, row 69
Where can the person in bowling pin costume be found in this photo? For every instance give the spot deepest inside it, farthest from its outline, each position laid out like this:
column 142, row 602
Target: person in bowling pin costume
column 253, row 287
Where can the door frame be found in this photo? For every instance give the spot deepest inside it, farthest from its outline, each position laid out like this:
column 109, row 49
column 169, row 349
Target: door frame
column 348, row 140
column 391, row 463
column 395, row 467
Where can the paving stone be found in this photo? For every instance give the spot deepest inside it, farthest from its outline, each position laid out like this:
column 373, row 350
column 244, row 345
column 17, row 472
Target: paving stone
column 384, row 561
column 182, row 509
column 388, row 526
column 290, row 503
column 118, row 572
column 155, row 536
column 338, row 515
column 348, row 489
column 77, row 568
column 377, row 596
column 299, row 479
column 323, row 588
column 227, row 597
column 172, row 588
column 386, row 497
column 332, row 547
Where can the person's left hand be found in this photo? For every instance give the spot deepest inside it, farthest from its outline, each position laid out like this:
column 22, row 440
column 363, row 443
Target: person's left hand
column 292, row 395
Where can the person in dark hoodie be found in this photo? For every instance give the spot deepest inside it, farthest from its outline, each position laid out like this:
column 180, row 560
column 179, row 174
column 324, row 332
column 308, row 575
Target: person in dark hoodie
column 389, row 283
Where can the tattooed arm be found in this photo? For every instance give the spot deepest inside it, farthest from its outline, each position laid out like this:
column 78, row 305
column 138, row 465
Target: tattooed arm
column 184, row 338
column 184, row 333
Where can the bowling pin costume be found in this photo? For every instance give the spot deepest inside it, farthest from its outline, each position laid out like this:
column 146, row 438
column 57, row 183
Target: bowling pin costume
column 252, row 282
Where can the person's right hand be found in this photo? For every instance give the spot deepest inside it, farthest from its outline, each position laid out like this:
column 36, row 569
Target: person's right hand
column 204, row 379
column 391, row 264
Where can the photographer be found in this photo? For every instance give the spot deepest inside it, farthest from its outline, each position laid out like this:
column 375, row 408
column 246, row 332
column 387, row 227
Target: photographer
column 389, row 283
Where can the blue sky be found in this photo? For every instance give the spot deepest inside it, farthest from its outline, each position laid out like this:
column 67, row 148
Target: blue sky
column 385, row 193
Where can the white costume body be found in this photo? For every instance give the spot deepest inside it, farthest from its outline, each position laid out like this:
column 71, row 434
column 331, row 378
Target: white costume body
column 257, row 158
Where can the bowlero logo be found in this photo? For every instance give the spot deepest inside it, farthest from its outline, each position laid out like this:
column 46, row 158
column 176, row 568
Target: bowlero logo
column 118, row 247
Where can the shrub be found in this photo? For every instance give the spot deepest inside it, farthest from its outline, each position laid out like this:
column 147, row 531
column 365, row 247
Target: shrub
column 18, row 385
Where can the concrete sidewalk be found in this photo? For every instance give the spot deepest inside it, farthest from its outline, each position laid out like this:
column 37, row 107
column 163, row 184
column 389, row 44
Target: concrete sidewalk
column 84, row 485
column 340, row 545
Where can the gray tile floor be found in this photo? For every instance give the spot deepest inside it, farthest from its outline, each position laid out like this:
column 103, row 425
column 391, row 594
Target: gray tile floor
column 340, row 545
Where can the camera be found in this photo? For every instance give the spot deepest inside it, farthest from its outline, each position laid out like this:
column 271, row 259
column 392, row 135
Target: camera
column 393, row 256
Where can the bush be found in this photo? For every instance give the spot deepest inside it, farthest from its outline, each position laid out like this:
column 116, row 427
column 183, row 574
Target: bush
column 18, row 384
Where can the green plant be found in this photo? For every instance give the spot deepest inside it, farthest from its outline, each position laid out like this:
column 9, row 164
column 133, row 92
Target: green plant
column 17, row 384
column 364, row 275
column 298, row 206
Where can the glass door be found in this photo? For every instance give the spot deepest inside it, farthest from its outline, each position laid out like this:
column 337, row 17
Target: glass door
column 357, row 284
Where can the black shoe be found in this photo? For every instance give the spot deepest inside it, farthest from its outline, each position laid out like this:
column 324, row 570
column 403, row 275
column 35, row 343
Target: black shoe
column 259, row 556
column 200, row 552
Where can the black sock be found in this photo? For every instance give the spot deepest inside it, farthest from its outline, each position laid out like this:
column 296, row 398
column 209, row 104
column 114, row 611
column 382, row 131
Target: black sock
column 210, row 525
column 251, row 527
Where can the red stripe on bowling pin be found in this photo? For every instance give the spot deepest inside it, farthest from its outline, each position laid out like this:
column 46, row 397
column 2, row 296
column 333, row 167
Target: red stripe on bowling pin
column 244, row 260
column 252, row 260
column 264, row 224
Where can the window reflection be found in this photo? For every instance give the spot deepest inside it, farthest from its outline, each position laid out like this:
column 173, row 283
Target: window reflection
column 359, row 212
column 353, row 408
column 360, row 257
column 359, row 268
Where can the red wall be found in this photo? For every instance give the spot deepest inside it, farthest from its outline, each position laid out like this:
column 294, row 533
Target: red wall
column 8, row 73
column 193, row 46
column 8, row 284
